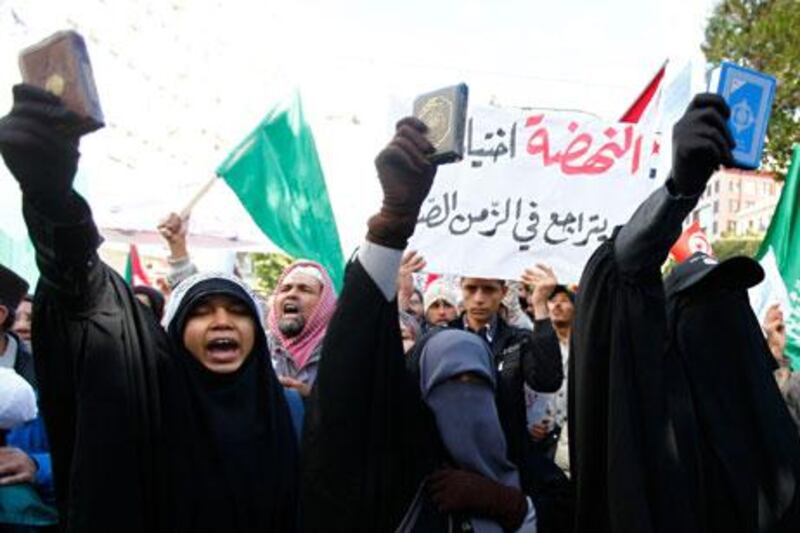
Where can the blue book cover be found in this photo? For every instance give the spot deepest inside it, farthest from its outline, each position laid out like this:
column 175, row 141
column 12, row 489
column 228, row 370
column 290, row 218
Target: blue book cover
column 749, row 94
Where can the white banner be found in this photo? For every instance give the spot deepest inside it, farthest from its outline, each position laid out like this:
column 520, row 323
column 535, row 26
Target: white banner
column 534, row 187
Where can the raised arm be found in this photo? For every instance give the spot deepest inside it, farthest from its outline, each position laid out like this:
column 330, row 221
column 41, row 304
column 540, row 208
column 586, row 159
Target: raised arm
column 542, row 367
column 42, row 154
column 94, row 342
column 701, row 143
column 173, row 230
column 362, row 408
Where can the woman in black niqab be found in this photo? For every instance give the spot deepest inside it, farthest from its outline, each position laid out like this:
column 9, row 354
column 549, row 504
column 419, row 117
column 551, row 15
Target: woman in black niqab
column 676, row 423
column 732, row 427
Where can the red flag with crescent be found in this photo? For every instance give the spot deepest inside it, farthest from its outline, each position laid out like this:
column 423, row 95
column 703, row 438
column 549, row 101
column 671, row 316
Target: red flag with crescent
column 693, row 239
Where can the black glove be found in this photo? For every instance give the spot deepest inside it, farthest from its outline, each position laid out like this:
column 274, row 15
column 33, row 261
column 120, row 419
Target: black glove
column 701, row 143
column 406, row 177
column 38, row 145
column 460, row 491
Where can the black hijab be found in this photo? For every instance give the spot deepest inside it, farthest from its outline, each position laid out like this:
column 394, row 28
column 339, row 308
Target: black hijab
column 155, row 298
column 232, row 449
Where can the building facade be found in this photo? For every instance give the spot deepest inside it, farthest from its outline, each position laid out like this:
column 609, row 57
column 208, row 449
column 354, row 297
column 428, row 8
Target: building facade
column 736, row 202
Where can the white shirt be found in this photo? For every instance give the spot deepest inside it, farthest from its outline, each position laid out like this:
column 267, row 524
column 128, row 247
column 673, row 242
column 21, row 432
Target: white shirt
column 9, row 357
column 17, row 399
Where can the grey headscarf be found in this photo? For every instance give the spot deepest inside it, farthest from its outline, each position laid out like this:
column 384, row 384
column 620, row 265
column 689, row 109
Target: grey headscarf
column 466, row 414
column 177, row 296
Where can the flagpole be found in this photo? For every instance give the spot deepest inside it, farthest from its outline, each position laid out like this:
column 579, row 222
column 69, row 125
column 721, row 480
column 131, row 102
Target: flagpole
column 198, row 196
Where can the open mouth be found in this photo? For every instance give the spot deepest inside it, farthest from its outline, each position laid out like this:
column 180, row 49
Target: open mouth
column 223, row 348
column 290, row 309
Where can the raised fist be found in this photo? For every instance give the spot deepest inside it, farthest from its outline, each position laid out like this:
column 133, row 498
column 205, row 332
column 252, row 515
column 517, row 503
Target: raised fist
column 406, row 177
column 701, row 143
column 39, row 146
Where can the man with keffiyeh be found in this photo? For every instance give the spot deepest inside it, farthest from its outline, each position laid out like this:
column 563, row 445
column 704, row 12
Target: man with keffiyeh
column 302, row 306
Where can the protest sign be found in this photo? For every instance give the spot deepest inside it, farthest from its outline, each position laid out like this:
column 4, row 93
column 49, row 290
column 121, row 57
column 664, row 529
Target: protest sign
column 534, row 186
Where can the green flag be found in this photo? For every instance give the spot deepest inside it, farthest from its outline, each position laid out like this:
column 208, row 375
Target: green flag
column 783, row 238
column 277, row 176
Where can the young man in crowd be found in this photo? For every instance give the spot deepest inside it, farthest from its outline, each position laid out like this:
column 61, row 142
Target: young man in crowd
column 25, row 455
column 13, row 352
column 521, row 357
column 23, row 320
column 441, row 303
column 547, row 412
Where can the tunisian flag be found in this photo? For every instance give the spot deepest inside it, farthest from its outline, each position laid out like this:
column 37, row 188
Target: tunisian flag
column 693, row 239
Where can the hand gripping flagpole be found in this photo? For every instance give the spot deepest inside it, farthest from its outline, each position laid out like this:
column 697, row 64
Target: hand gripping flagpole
column 184, row 213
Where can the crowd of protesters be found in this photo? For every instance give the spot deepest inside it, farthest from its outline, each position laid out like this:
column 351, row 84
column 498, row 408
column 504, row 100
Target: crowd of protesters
column 627, row 403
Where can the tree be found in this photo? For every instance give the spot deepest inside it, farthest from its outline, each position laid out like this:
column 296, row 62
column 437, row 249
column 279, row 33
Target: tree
column 268, row 268
column 763, row 35
column 736, row 245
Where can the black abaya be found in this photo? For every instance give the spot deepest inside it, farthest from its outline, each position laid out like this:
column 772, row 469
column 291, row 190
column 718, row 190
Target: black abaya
column 141, row 438
column 666, row 409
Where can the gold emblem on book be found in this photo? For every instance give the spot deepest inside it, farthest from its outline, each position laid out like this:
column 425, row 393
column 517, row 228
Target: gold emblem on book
column 55, row 84
column 436, row 113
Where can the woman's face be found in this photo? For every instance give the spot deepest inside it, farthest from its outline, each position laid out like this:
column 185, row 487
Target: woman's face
column 219, row 333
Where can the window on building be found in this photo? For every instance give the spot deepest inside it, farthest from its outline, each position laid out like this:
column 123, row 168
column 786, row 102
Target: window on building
column 695, row 216
column 716, row 186
column 732, row 225
column 716, row 206
column 733, row 205
column 749, row 224
column 730, row 186
column 749, row 204
column 715, row 227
